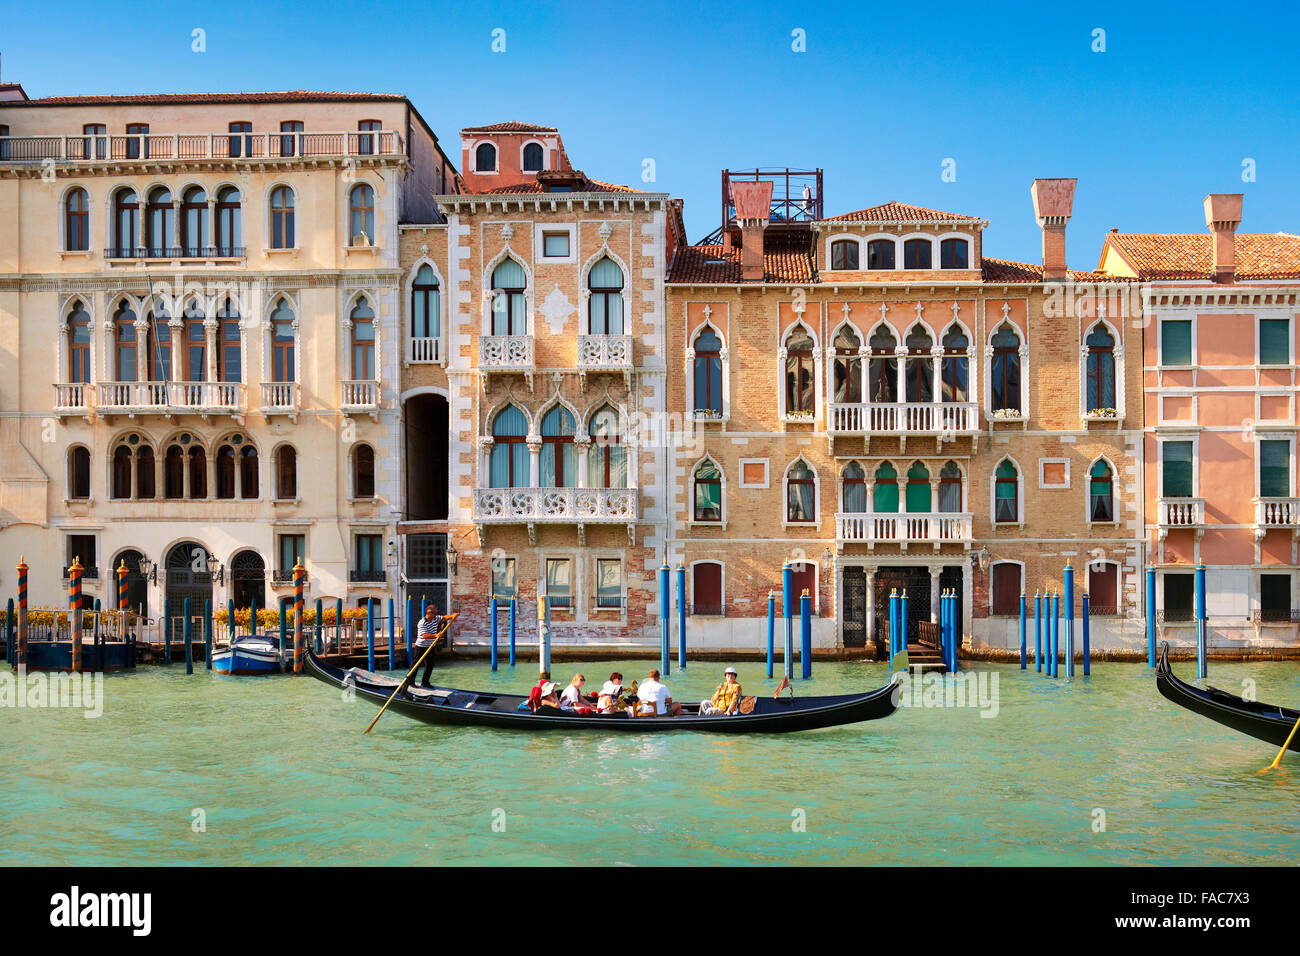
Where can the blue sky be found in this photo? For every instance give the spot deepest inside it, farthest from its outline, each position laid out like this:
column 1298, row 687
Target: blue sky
column 884, row 93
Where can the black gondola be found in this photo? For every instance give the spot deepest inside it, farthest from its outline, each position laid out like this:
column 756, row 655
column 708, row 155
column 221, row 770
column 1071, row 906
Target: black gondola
column 442, row 705
column 1267, row 722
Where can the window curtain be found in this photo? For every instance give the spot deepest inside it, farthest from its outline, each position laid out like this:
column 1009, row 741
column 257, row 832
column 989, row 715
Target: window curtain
column 884, row 497
column 559, row 423
column 918, row 490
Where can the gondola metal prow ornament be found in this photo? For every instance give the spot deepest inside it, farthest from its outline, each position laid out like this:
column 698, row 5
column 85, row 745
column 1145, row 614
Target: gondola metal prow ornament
column 405, row 682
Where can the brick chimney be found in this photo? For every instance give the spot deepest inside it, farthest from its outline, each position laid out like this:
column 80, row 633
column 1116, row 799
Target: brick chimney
column 753, row 202
column 1053, row 206
column 1223, row 216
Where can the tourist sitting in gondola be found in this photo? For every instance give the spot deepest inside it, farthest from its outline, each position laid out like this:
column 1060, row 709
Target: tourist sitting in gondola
column 548, row 696
column 726, row 699
column 656, row 700
column 535, row 695
column 572, row 699
column 609, row 700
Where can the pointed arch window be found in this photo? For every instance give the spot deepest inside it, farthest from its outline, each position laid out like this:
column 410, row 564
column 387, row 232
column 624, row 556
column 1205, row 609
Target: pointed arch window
column 1101, row 500
column 194, row 222
column 883, row 371
column 708, row 372
column 950, row 488
column 174, row 473
column 286, row 472
column 126, row 223
column 509, row 316
column 229, row 232
column 1006, row 370
column 956, row 366
column 1101, row 369
column 248, row 476
column 1006, row 493
column 884, row 491
column 121, row 472
column 605, row 306
column 363, row 341
column 282, row 218
column 607, row 457
column 78, row 343
column 144, row 472
column 282, row 343
column 799, row 381
column 508, row 462
column 195, row 336
column 919, row 373
column 559, row 461
column 225, row 472
column 426, row 312
column 800, row 494
column 708, row 492
column 918, row 489
column 361, row 215
column 854, row 480
column 124, row 343
column 79, row 472
column 76, row 223
column 848, row 368
column 160, row 223
column 198, row 472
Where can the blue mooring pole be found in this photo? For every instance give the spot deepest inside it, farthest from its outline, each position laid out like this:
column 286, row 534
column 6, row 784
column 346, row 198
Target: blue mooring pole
column 392, row 634
column 409, row 629
column 771, row 629
column 665, row 621
column 1087, row 648
column 787, row 612
column 1024, row 637
column 1151, row 617
column 1069, row 621
column 943, row 626
column 320, row 629
column 492, row 624
column 188, row 632
column 338, row 625
column 893, row 626
column 1202, row 638
column 805, row 634
column 681, row 616
column 950, row 631
column 207, row 633
column 167, row 631
column 284, row 631
column 1038, row 631
column 1056, row 634
column 370, row 635
column 954, row 621
column 512, row 631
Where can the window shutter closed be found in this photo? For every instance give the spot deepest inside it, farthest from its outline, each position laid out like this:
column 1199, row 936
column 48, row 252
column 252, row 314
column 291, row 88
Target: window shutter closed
column 1006, row 589
column 706, row 588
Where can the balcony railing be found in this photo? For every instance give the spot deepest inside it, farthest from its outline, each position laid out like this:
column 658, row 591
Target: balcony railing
column 605, row 353
column 906, row 418
column 1277, row 513
column 131, row 396
column 286, row 577
column 424, row 350
column 280, row 397
column 360, row 395
column 71, row 396
column 367, row 577
column 181, row 147
column 206, row 396
column 170, row 398
column 1180, row 512
column 903, row 528
column 505, row 353
column 558, row 505
column 175, row 252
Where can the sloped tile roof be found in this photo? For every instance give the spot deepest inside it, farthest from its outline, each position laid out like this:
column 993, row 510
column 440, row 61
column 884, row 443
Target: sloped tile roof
column 899, row 212
column 1191, row 255
column 513, row 126
column 709, row 264
column 165, row 99
column 590, row 186
column 1006, row 270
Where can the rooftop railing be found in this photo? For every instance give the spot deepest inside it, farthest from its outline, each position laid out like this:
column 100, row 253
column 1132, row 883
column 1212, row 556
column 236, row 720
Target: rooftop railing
column 180, row 147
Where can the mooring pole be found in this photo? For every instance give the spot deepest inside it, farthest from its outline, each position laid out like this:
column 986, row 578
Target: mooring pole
column 492, row 624
column 1056, row 634
column 167, row 631
column 893, row 626
column 1202, row 638
column 1087, row 648
column 1151, row 617
column 1069, row 620
column 771, row 630
column 902, row 621
column 252, row 616
column 20, row 659
column 187, row 631
column 338, row 626
column 805, row 634
column 681, row 616
column 11, row 652
column 943, row 627
column 370, row 635
column 96, row 637
column 122, row 615
column 543, row 635
column 299, row 643
column 392, row 635
column 513, row 615
column 1024, row 637
column 320, row 630
column 787, row 611
column 665, row 622
column 284, row 629
column 207, row 634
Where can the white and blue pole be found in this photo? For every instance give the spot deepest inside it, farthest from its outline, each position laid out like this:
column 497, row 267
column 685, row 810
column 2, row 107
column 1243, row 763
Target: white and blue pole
column 1069, row 621
column 1202, row 650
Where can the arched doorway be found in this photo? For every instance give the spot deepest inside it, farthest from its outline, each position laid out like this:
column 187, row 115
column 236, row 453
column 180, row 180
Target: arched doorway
column 137, row 588
column 427, row 435
column 187, row 577
column 248, row 579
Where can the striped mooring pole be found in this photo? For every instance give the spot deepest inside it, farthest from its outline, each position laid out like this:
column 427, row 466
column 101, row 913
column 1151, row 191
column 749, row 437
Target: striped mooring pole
column 805, row 635
column 665, row 622
column 20, row 659
column 492, row 626
column 299, row 644
column 74, row 608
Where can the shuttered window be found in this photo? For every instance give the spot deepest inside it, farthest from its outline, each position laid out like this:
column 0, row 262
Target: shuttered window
column 1006, row 589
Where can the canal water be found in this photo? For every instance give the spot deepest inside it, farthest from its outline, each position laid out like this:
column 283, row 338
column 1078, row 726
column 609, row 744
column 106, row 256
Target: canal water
column 275, row 770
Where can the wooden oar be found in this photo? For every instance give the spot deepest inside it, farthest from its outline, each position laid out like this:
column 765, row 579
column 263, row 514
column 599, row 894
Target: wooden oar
column 405, row 682
column 1278, row 759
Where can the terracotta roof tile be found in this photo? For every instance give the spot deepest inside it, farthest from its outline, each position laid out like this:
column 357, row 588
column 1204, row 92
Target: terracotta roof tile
column 1191, row 255
column 165, row 99
column 514, row 126
column 592, row 186
column 1005, row 270
column 898, row 212
column 783, row 263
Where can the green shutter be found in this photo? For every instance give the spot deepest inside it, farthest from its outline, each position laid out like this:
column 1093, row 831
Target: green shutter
column 1176, row 342
column 1176, row 457
column 1274, row 469
column 1274, row 341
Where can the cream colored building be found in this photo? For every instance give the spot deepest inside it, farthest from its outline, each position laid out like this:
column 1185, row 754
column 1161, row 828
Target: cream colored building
column 200, row 339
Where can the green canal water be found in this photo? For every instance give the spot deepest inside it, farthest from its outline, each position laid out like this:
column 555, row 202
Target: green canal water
column 282, row 775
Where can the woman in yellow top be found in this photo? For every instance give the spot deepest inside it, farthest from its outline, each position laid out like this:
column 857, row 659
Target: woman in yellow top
column 726, row 699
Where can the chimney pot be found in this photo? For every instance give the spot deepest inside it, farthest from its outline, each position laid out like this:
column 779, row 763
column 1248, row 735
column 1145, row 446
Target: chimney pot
column 1223, row 216
column 1053, row 206
column 753, row 202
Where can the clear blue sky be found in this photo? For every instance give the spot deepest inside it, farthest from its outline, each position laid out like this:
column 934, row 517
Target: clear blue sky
column 883, row 95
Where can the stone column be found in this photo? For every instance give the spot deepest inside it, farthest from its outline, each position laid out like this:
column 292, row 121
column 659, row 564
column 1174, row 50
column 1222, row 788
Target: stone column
column 936, row 357
column 871, row 604
column 534, row 462
column 210, row 343
column 141, row 348
column 934, row 594
column 176, row 327
column 900, row 358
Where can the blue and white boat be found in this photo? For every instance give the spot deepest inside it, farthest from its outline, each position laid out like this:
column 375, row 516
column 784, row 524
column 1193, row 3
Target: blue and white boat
column 252, row 654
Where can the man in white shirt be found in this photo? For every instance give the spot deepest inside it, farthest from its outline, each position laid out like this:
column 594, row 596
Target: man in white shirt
column 651, row 691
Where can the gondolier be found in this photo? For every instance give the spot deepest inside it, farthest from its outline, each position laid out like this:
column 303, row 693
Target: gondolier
column 426, row 632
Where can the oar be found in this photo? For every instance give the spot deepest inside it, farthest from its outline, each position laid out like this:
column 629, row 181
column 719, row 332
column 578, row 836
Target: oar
column 1278, row 759
column 411, row 673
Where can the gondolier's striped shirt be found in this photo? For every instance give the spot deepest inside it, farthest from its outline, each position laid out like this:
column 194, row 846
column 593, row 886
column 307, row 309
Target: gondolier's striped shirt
column 426, row 631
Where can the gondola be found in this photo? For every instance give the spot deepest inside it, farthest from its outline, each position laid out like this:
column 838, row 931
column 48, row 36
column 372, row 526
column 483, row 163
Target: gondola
column 442, row 705
column 1267, row 722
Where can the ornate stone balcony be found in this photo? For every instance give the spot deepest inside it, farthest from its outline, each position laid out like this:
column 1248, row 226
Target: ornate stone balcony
column 506, row 353
column 73, row 398
column 946, row 421
column 169, row 398
column 1173, row 514
column 904, row 528
column 360, row 396
column 280, row 398
column 576, row 506
column 1281, row 513
column 604, row 353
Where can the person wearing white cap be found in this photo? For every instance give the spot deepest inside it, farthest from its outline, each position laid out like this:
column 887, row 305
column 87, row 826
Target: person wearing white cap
column 549, row 697
column 726, row 699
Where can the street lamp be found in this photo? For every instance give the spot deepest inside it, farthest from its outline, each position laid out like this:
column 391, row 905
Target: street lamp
column 453, row 557
column 216, row 569
column 148, row 570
